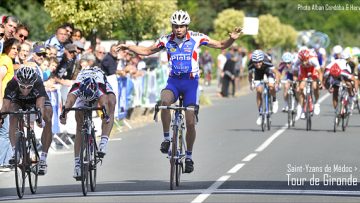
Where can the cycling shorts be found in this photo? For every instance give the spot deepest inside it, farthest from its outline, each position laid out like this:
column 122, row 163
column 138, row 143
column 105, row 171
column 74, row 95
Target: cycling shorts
column 304, row 73
column 186, row 86
column 258, row 83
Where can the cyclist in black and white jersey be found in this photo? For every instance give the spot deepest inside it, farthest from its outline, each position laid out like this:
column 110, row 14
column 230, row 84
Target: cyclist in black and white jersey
column 90, row 88
column 26, row 91
column 260, row 65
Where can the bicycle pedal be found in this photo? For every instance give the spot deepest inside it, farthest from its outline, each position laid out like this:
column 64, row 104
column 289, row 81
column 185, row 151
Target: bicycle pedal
column 101, row 154
column 78, row 178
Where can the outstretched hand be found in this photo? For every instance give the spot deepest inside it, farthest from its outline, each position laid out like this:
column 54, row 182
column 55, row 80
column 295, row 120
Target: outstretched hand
column 122, row 47
column 236, row 33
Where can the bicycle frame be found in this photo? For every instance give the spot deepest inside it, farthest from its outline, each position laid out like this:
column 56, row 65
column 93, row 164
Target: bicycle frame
column 266, row 107
column 26, row 154
column 88, row 151
column 176, row 153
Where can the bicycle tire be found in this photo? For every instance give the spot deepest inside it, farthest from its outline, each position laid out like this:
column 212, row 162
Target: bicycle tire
column 84, row 162
column 172, row 156
column 93, row 161
column 357, row 105
column 34, row 159
column 20, row 163
column 290, row 112
column 179, row 161
column 308, row 114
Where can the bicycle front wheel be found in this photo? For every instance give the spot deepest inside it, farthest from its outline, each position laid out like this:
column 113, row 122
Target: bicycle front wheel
column 308, row 113
column 93, row 161
column 172, row 156
column 84, row 163
column 20, row 166
column 179, row 162
column 290, row 110
column 34, row 164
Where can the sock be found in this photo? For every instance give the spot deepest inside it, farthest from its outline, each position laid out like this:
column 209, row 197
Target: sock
column 188, row 154
column 77, row 161
column 104, row 139
column 167, row 136
column 43, row 156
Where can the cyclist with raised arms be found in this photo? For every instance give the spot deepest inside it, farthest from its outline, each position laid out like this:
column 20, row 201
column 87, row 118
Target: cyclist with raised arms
column 260, row 65
column 307, row 63
column 335, row 72
column 26, row 91
column 285, row 67
column 183, row 56
column 90, row 88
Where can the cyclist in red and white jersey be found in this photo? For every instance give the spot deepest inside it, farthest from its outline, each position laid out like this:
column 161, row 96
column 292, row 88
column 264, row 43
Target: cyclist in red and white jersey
column 307, row 63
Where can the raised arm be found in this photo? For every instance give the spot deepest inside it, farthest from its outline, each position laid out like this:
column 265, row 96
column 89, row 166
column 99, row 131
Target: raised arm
column 234, row 35
column 140, row 50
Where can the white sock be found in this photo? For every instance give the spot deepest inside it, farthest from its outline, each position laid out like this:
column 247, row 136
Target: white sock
column 104, row 139
column 43, row 156
column 77, row 161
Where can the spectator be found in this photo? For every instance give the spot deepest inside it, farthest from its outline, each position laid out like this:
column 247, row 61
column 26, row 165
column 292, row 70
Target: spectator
column 79, row 49
column 109, row 66
column 76, row 35
column 22, row 33
column 37, row 58
column 45, row 68
column 69, row 29
column 207, row 63
column 65, row 72
column 51, row 51
column 23, row 55
column 229, row 75
column 50, row 83
column 99, row 53
column 9, row 54
column 10, row 24
column 2, row 36
column 221, row 60
column 58, row 41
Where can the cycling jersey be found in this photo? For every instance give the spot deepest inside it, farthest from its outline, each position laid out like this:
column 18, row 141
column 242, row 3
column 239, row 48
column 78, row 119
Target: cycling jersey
column 98, row 75
column 13, row 93
column 266, row 68
column 311, row 67
column 183, row 55
column 345, row 69
column 288, row 71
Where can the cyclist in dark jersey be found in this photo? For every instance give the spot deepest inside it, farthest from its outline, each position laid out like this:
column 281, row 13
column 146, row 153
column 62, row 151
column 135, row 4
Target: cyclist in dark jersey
column 26, row 91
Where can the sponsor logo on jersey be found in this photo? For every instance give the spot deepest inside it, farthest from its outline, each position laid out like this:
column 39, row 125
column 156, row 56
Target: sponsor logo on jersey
column 180, row 57
column 172, row 49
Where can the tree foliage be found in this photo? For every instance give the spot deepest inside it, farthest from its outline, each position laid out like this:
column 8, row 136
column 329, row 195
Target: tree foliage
column 142, row 20
column 226, row 21
column 86, row 15
column 269, row 32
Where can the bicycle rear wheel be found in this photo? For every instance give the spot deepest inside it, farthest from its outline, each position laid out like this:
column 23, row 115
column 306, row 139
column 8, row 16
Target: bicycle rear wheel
column 172, row 156
column 93, row 161
column 34, row 164
column 20, row 165
column 84, row 163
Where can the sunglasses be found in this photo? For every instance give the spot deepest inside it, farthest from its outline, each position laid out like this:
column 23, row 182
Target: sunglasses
column 2, row 34
column 26, row 86
column 41, row 54
column 288, row 63
column 23, row 36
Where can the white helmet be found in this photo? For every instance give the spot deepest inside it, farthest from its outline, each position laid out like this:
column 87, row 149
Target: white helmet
column 345, row 55
column 337, row 49
column 180, row 18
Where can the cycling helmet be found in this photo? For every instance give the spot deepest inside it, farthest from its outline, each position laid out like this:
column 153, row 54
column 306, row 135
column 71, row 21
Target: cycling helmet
column 345, row 55
column 335, row 70
column 337, row 49
column 26, row 75
column 180, row 18
column 257, row 56
column 88, row 89
column 304, row 54
column 287, row 57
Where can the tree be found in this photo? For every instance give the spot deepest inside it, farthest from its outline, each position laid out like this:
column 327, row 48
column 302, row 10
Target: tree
column 290, row 35
column 140, row 20
column 86, row 15
column 226, row 21
column 269, row 32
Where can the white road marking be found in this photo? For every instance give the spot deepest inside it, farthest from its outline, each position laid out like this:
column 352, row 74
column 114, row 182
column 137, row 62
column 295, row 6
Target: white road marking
column 249, row 157
column 236, row 168
column 203, row 196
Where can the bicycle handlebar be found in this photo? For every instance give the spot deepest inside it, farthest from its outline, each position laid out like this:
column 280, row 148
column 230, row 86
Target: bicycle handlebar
column 176, row 108
column 105, row 115
column 21, row 112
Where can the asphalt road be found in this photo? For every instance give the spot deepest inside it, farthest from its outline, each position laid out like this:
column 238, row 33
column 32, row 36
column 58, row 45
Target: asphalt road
column 234, row 162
